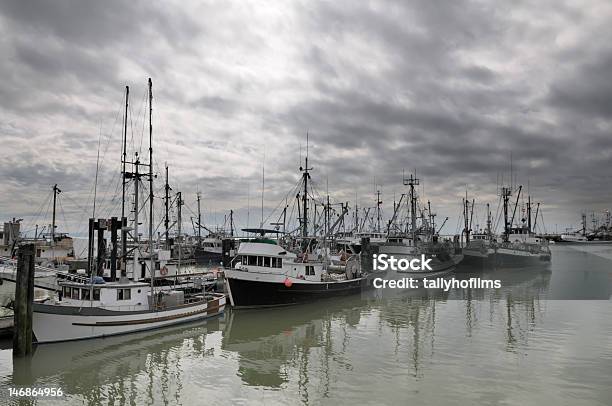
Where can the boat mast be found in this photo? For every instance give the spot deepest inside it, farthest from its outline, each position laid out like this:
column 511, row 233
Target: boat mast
column 488, row 220
column 180, row 220
column 151, row 260
column 516, row 204
column 506, row 192
column 378, row 203
column 124, row 152
column 166, row 202
column 466, row 227
column 123, row 181
column 136, row 210
column 56, row 191
column 471, row 218
column 199, row 221
column 412, row 182
column 305, row 194
column 529, row 213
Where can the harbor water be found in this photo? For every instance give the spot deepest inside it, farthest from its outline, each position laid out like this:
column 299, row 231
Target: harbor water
column 544, row 337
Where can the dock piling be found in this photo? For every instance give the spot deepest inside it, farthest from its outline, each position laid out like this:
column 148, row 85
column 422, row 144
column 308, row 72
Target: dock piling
column 24, row 297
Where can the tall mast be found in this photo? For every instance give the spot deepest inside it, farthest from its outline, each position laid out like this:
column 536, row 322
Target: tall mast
column 516, row 204
column 123, row 182
column 378, row 203
column 180, row 220
column 123, row 153
column 305, row 194
column 166, row 204
column 488, row 220
column 529, row 213
column 506, row 192
column 199, row 221
column 151, row 260
column 412, row 181
column 466, row 210
column 56, row 191
column 136, row 212
column 263, row 187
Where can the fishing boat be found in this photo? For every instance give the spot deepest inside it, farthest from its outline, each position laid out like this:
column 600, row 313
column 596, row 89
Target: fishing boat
column 411, row 241
column 90, row 306
column 598, row 234
column 265, row 274
column 292, row 269
column 517, row 246
column 90, row 310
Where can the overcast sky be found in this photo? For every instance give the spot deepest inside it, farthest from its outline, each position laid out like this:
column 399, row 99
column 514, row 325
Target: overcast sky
column 449, row 89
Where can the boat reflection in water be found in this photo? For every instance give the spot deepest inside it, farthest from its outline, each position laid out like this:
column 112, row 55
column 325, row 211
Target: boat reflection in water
column 129, row 369
column 468, row 346
column 310, row 348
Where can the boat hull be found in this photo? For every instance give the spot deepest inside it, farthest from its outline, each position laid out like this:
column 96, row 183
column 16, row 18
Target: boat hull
column 203, row 257
column 504, row 257
column 52, row 323
column 249, row 291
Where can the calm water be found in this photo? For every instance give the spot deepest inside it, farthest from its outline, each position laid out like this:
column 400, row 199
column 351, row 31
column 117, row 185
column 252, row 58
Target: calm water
column 517, row 345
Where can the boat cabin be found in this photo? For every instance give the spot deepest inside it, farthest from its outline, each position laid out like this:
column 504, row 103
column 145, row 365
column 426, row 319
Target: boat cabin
column 111, row 296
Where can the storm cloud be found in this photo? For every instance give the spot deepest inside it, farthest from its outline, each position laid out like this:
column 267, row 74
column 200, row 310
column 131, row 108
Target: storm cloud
column 449, row 89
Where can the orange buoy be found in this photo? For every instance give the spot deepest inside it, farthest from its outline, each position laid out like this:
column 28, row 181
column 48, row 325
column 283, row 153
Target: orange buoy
column 288, row 282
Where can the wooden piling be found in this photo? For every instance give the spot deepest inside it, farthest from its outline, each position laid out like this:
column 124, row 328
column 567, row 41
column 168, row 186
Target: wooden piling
column 24, row 297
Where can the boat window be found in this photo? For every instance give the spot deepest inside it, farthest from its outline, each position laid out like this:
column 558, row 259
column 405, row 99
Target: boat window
column 96, row 294
column 67, row 293
column 157, row 267
column 124, row 294
column 252, row 260
column 267, row 262
column 259, row 261
column 310, row 270
column 84, row 294
column 75, row 293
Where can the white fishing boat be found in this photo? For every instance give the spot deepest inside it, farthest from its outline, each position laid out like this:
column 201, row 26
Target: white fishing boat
column 265, row 274
column 94, row 306
column 89, row 310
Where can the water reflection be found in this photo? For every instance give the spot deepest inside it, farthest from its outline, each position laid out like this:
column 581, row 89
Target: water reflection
column 477, row 342
column 125, row 369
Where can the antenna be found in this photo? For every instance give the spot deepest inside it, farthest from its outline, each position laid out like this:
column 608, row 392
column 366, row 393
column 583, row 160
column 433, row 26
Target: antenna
column 263, row 186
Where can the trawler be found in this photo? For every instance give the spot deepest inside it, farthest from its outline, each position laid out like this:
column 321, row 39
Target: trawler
column 90, row 308
column 598, row 235
column 291, row 269
column 93, row 306
column 265, row 274
column 52, row 248
column 412, row 241
column 517, row 246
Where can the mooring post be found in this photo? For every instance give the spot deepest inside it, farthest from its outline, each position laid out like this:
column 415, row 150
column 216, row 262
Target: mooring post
column 100, row 226
column 24, row 297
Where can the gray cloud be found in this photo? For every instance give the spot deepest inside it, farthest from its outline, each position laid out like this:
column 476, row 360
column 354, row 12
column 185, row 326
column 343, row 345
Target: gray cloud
column 449, row 89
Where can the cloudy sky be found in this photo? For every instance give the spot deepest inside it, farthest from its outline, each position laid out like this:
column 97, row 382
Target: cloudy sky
column 450, row 89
